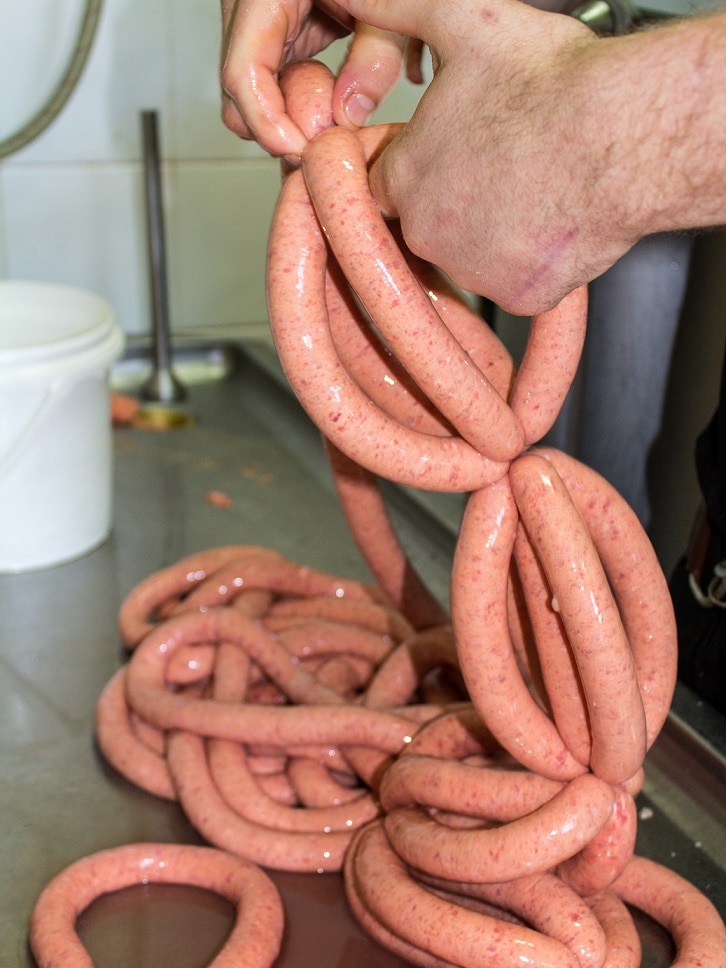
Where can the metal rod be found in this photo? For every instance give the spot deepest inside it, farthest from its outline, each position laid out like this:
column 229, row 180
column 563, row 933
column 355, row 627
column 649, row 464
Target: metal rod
column 163, row 384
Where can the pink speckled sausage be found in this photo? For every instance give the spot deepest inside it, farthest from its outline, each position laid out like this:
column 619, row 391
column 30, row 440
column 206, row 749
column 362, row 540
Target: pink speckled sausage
column 298, row 317
column 692, row 920
column 160, row 591
column 370, row 525
column 545, row 903
column 228, row 767
column 477, row 339
column 369, row 615
column 378, row 878
column 279, row 576
column 372, row 365
column 549, row 364
column 398, row 677
column 319, row 787
column 481, row 791
column 227, row 763
column 555, row 662
column 121, row 746
column 624, row 949
column 531, row 844
column 307, row 87
column 372, row 925
column 254, row 941
column 609, row 852
column 222, row 826
column 334, row 166
column 308, row 640
column 480, row 621
column 637, row 580
column 589, row 614
column 334, row 722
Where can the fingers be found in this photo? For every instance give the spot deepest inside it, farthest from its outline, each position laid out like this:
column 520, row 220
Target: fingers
column 255, row 37
column 259, row 38
column 371, row 69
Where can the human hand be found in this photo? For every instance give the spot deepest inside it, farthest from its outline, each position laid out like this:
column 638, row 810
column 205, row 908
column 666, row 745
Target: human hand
column 261, row 36
column 491, row 178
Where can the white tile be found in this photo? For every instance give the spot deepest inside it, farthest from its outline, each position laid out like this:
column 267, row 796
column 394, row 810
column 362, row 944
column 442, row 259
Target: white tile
column 85, row 226
column 35, row 43
column 217, row 232
column 80, row 226
column 127, row 70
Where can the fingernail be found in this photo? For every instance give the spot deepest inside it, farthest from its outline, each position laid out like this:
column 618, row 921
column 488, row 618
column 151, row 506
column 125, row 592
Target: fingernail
column 359, row 108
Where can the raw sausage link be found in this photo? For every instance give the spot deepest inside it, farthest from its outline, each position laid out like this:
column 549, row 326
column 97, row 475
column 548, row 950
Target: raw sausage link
column 608, row 853
column 624, row 949
column 335, row 174
column 372, row 365
column 219, row 824
column 475, row 790
column 254, row 941
column 368, row 520
column 122, row 747
column 638, row 582
column 549, row 365
column 531, row 844
column 161, row 590
column 307, row 87
column 347, row 417
column 397, row 679
column 543, row 902
column 692, row 920
column 479, row 616
column 280, row 577
column 335, row 722
column 560, row 682
column 430, row 924
column 589, row 615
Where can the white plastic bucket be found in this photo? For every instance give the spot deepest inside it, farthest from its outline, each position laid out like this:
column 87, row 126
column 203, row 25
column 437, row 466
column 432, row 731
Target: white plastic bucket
column 56, row 346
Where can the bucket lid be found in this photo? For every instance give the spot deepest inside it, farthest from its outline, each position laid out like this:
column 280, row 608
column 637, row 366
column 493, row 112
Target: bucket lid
column 46, row 327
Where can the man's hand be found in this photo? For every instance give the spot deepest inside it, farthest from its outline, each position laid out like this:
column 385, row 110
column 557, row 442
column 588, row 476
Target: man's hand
column 540, row 153
column 261, row 36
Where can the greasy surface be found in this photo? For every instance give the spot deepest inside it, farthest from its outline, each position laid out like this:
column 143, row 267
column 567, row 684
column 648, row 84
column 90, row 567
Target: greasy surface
column 58, row 647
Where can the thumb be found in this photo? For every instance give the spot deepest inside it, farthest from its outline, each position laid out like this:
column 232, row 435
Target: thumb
column 371, row 69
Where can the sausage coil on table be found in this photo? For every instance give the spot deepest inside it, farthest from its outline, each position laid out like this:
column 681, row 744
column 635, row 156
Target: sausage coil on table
column 473, row 776
column 255, row 937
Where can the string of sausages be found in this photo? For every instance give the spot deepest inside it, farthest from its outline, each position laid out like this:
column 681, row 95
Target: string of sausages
column 561, row 616
column 473, row 777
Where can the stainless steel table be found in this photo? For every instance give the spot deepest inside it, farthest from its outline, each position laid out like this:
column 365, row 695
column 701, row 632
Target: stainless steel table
column 58, row 647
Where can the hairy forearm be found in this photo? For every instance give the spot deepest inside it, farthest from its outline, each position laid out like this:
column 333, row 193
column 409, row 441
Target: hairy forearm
column 661, row 158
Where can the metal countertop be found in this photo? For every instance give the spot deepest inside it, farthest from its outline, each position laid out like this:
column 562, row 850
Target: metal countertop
column 59, row 646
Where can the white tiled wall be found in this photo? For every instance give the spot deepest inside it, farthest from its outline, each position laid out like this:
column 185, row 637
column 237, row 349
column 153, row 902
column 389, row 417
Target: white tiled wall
column 71, row 203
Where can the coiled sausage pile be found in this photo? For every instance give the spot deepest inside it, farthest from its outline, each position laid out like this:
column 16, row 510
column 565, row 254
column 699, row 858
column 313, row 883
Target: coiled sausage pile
column 474, row 778
column 267, row 700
